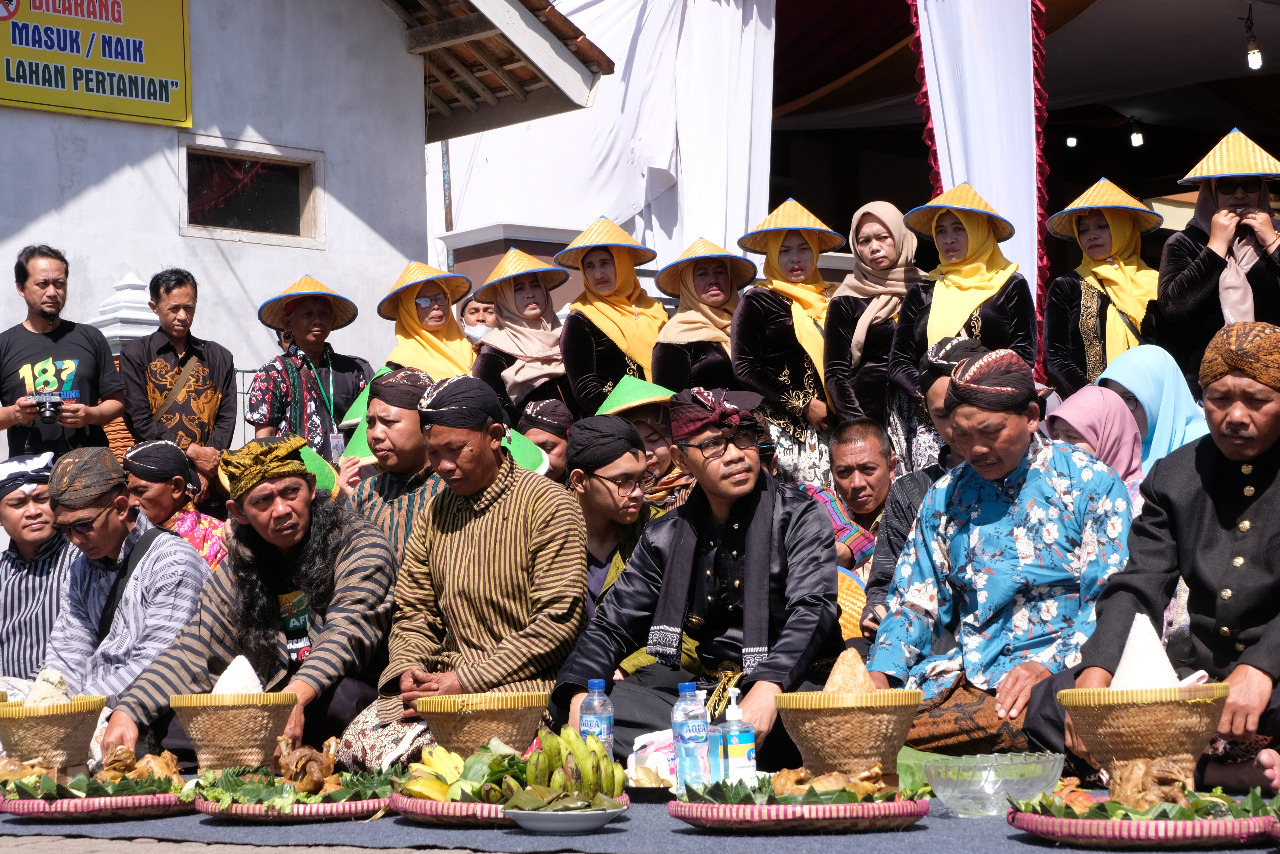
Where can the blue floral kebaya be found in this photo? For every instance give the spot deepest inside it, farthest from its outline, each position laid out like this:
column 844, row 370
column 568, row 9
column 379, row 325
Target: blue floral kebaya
column 1021, row 562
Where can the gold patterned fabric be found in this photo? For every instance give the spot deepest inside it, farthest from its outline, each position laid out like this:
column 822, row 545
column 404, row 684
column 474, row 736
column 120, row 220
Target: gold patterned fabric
column 1253, row 348
column 262, row 459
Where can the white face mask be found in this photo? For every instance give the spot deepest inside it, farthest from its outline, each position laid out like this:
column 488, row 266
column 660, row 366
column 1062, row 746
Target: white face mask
column 475, row 333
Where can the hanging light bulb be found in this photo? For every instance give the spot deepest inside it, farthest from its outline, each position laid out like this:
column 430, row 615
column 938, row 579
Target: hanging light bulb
column 1072, row 142
column 1253, row 53
column 1135, row 135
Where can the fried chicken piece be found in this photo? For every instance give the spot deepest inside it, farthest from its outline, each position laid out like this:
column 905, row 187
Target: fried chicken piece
column 116, row 765
column 1143, row 783
column 789, row 779
column 306, row 768
column 162, row 767
column 332, row 783
column 11, row 769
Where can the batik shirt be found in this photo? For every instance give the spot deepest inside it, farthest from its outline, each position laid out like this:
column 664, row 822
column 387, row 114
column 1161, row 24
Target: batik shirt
column 1022, row 561
column 271, row 401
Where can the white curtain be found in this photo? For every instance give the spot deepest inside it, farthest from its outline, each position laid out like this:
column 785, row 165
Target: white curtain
column 675, row 147
column 978, row 67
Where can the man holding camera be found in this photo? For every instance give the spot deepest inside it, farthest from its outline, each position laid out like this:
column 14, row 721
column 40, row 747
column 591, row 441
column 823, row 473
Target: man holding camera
column 58, row 380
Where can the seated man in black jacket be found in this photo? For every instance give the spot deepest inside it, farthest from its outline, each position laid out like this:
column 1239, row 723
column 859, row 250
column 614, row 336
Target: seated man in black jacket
column 743, row 569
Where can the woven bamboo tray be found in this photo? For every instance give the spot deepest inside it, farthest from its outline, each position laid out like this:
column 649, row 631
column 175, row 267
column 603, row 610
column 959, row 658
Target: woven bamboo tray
column 849, row 732
column 96, row 809
column 1121, row 833
column 464, row 722
column 297, row 814
column 808, row 818
column 456, row 813
column 233, row 730
column 1120, row 727
column 57, row 732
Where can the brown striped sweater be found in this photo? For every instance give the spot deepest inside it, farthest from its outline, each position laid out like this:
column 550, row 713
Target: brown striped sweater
column 493, row 587
column 345, row 638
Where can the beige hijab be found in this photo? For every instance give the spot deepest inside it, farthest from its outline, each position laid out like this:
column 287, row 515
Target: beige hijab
column 885, row 288
column 694, row 320
column 536, row 347
column 1234, row 291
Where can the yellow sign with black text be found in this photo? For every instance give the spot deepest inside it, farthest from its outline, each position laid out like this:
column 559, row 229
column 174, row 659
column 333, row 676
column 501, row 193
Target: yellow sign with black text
column 114, row 59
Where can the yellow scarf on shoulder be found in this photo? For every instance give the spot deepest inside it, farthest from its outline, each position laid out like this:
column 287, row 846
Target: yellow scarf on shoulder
column 1124, row 277
column 629, row 317
column 964, row 285
column 443, row 354
column 808, row 300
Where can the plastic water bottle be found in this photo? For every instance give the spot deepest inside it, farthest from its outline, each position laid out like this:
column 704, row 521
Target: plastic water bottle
column 689, row 733
column 715, row 744
column 739, row 743
column 596, row 715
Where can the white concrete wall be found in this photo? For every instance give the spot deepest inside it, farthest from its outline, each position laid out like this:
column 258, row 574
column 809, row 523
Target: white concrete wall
column 327, row 75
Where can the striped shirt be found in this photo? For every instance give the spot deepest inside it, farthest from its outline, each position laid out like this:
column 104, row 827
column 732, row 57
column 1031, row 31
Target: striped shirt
column 493, row 587
column 30, row 595
column 393, row 501
column 345, row 636
column 158, row 600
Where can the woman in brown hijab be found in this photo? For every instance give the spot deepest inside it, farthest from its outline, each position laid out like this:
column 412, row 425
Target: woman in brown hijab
column 863, row 313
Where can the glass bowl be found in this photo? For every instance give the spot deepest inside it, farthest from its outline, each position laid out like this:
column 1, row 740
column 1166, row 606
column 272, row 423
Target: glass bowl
column 982, row 784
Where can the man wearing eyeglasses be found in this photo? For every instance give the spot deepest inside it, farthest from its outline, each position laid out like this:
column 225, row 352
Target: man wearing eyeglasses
column 743, row 569
column 133, row 588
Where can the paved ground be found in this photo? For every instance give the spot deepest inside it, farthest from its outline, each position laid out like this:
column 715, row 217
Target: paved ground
column 35, row 844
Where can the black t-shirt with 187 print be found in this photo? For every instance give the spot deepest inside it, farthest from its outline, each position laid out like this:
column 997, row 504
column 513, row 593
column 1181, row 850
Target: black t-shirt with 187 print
column 73, row 360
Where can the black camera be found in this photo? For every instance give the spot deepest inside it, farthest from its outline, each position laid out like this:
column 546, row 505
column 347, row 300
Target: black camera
column 48, row 403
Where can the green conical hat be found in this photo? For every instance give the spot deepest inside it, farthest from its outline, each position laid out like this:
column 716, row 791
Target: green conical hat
column 354, row 417
column 326, row 476
column 630, row 393
column 526, row 454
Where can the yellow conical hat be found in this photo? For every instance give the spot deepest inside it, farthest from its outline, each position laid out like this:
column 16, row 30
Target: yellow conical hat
column 601, row 233
column 517, row 263
column 962, row 197
column 1235, row 154
column 455, row 285
column 741, row 271
column 790, row 216
column 271, row 312
column 1103, row 194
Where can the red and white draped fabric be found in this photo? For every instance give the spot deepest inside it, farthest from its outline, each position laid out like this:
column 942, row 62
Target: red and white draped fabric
column 982, row 93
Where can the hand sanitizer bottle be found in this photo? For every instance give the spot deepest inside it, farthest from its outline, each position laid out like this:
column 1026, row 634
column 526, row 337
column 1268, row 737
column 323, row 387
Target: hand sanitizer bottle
column 739, row 743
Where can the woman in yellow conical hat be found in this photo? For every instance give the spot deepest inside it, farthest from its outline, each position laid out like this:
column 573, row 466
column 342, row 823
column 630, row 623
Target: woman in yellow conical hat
column 1098, row 310
column 521, row 359
column 974, row 292
column 863, row 314
column 693, row 348
column 777, row 338
column 428, row 337
column 613, row 324
column 1224, row 267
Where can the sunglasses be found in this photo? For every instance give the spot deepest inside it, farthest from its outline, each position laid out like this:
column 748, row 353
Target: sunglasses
column 628, row 485
column 1228, row 186
column 426, row 302
column 713, row 449
column 83, row 528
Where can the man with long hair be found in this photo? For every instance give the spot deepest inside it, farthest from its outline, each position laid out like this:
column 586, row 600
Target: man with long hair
column 303, row 594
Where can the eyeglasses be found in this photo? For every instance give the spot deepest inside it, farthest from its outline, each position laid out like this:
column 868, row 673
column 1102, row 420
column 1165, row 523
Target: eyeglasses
column 441, row 300
column 713, row 449
column 83, row 528
column 627, row 485
column 1228, row 186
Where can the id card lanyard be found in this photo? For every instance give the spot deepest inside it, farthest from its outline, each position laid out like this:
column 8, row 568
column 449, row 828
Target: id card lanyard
column 337, row 444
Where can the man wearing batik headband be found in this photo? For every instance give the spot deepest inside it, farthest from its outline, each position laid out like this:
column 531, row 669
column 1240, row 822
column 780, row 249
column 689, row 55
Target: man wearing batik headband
column 133, row 587
column 394, row 497
column 1207, row 517
column 33, row 569
column 493, row 586
column 1013, row 548
column 304, row 594
column 712, row 571
column 162, row 481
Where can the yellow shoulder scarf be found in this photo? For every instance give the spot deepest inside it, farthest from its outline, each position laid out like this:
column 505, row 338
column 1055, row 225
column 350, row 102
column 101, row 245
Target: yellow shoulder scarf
column 628, row 316
column 964, row 285
column 442, row 354
column 1124, row 278
column 808, row 299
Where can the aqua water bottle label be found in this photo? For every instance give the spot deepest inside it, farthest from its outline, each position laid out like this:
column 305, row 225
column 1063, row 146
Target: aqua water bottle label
column 601, row 726
column 690, row 732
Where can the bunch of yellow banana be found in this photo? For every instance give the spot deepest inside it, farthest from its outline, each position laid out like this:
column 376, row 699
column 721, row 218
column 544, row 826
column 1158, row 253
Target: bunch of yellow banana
column 434, row 775
column 566, row 763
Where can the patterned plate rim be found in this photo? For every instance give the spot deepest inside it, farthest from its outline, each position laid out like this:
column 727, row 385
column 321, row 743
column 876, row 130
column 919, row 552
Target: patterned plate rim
column 765, row 814
column 123, row 804
column 297, row 812
column 1081, row 830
